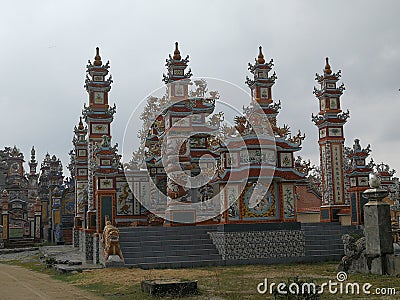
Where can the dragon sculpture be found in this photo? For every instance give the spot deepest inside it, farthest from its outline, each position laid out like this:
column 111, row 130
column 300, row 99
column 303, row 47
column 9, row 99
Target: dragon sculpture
column 110, row 241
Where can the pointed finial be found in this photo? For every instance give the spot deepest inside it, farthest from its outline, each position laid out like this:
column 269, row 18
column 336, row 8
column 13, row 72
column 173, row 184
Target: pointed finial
column 177, row 54
column 80, row 126
column 33, row 153
column 327, row 67
column 97, row 58
column 260, row 59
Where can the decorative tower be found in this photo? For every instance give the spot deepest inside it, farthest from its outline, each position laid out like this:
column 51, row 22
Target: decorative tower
column 98, row 115
column 357, row 174
column 262, row 83
column 51, row 176
column 32, row 178
column 330, row 121
column 177, row 124
column 79, row 170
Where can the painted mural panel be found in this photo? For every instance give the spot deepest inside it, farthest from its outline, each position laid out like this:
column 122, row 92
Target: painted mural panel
column 68, row 202
column 81, row 197
column 124, row 199
column 337, row 172
column 233, row 195
column 288, row 201
column 259, row 201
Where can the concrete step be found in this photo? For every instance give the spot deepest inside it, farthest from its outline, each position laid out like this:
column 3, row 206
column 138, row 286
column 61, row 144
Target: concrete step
column 170, row 258
column 168, row 253
column 326, row 247
column 164, row 237
column 205, row 247
column 326, row 252
column 179, row 264
column 164, row 243
column 330, row 243
column 175, row 247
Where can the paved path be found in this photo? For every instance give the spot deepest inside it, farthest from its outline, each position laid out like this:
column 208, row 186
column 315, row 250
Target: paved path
column 20, row 283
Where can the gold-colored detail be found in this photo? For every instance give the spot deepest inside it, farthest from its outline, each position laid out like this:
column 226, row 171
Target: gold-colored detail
column 97, row 58
column 110, row 241
column 80, row 126
column 177, row 54
column 327, row 69
column 260, row 59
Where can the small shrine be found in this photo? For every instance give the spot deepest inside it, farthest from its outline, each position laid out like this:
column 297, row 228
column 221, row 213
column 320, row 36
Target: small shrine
column 358, row 173
column 266, row 154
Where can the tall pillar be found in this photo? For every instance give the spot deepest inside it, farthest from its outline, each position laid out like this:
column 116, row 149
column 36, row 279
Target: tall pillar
column 38, row 235
column 98, row 117
column 31, row 220
column 330, row 121
column 4, row 216
column 56, row 216
column 177, row 161
column 378, row 230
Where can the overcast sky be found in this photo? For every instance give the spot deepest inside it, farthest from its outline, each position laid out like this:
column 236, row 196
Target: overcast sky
column 45, row 46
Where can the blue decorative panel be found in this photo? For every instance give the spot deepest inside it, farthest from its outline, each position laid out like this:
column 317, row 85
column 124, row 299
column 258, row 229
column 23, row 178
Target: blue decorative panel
column 106, row 209
column 354, row 217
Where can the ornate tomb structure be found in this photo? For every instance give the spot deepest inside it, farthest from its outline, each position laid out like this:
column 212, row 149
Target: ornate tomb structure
column 267, row 196
column 239, row 166
column 20, row 191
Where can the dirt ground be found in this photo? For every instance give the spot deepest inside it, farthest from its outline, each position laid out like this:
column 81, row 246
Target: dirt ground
column 20, row 283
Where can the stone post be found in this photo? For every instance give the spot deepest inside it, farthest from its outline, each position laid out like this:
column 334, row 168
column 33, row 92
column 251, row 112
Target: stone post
column 4, row 216
column 96, row 251
column 377, row 227
column 31, row 220
column 38, row 235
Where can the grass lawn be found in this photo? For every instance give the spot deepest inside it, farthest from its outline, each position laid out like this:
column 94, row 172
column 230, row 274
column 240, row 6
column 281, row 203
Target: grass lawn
column 233, row 282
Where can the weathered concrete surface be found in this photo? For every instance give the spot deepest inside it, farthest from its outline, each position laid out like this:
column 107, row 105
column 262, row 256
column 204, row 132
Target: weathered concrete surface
column 378, row 230
column 20, row 283
column 68, row 258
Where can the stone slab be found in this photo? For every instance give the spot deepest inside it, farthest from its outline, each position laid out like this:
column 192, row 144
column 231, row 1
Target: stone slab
column 114, row 261
column 378, row 233
column 171, row 287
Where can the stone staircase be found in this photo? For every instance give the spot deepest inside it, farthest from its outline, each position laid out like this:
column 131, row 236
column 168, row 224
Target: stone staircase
column 323, row 241
column 20, row 243
column 191, row 246
column 168, row 247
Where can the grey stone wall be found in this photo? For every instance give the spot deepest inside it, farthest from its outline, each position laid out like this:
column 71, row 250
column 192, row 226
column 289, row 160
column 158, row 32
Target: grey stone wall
column 75, row 237
column 81, row 241
column 259, row 244
column 96, row 252
column 89, row 247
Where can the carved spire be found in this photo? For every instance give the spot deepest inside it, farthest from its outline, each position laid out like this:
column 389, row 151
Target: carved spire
column 177, row 54
column 327, row 69
column 33, row 154
column 260, row 59
column 80, row 126
column 97, row 58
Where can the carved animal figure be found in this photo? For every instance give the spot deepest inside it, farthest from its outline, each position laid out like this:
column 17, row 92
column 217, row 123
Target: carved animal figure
column 110, row 241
